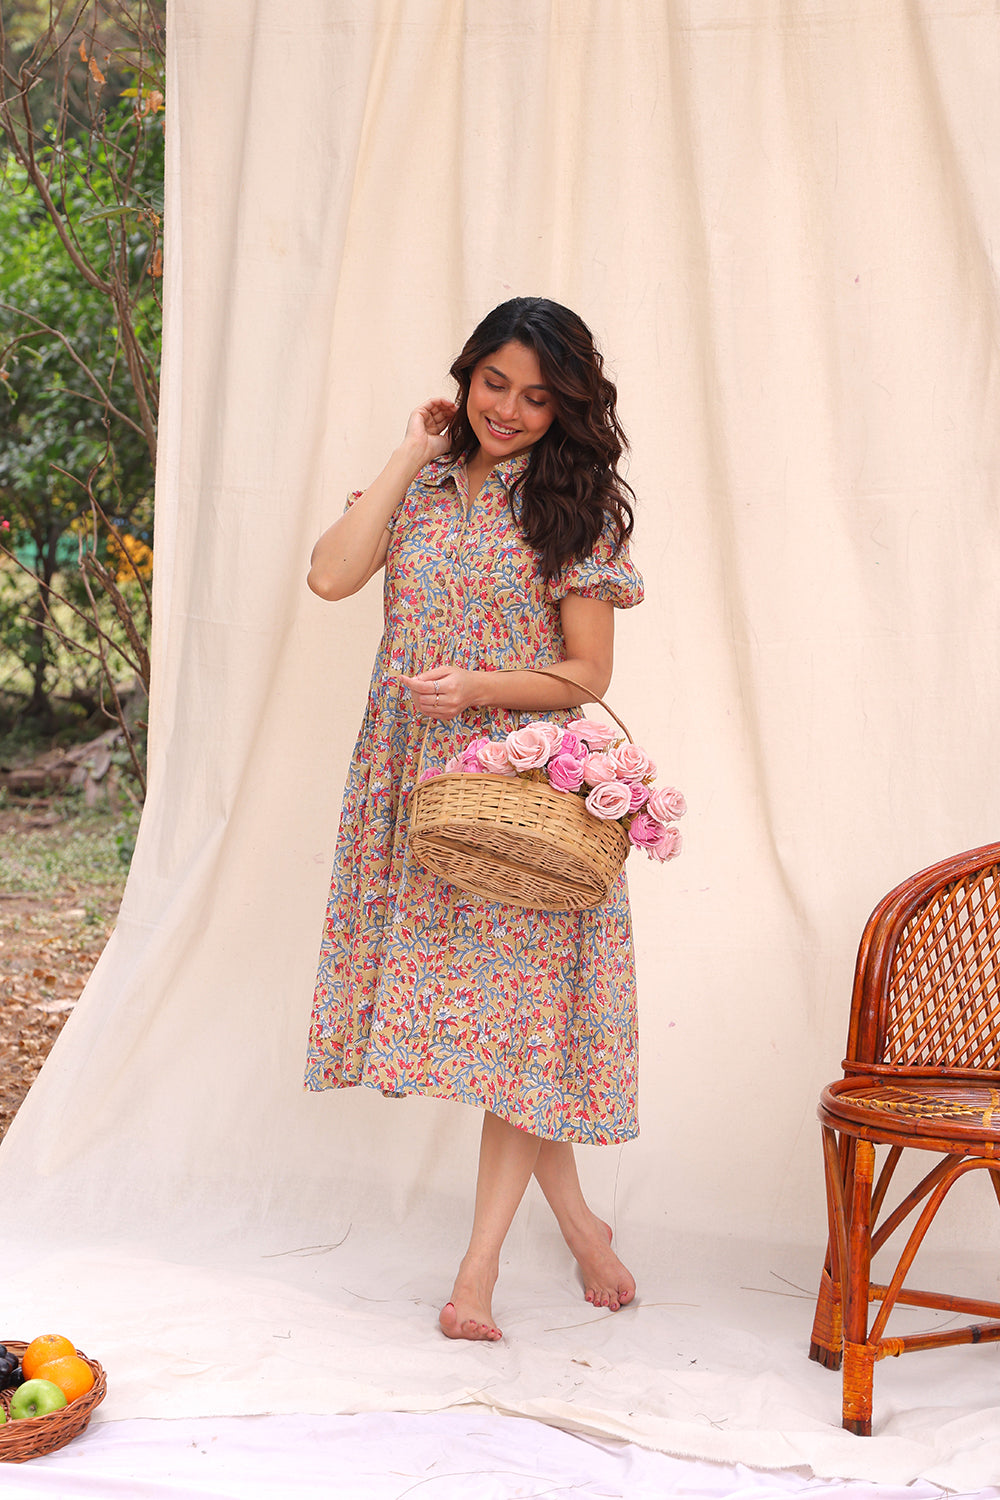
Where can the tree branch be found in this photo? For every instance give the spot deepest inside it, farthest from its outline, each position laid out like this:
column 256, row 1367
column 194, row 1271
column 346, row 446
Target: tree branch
column 77, row 359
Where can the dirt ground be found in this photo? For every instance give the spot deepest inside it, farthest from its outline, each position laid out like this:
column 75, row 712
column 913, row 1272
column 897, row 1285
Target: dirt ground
column 50, row 940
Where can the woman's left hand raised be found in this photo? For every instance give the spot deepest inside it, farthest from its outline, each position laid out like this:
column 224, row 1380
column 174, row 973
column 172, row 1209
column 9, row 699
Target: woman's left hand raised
column 443, row 692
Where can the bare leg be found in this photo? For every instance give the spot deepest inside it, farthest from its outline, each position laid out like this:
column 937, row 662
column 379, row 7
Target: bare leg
column 606, row 1282
column 507, row 1158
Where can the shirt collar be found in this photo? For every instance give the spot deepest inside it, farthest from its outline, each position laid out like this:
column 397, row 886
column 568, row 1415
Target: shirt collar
column 507, row 470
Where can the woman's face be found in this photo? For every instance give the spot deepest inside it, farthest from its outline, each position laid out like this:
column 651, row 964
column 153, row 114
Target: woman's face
column 509, row 406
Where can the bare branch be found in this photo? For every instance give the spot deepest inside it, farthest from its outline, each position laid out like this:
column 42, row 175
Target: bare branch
column 114, row 531
column 51, row 592
column 56, row 333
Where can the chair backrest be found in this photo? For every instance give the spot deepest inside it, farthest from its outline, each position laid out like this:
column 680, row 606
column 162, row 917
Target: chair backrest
column 927, row 982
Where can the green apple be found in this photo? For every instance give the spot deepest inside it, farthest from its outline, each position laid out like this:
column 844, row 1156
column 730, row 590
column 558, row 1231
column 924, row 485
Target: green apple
column 36, row 1398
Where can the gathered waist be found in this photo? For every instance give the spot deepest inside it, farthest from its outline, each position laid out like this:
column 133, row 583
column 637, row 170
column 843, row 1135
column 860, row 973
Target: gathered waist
column 401, row 652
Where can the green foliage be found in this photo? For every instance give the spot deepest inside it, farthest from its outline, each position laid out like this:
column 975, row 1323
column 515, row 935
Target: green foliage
column 80, row 321
column 25, row 21
column 73, row 422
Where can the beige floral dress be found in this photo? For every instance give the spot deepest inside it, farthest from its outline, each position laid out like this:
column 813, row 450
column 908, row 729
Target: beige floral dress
column 422, row 988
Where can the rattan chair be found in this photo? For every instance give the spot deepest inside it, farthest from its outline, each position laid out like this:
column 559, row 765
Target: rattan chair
column 922, row 1072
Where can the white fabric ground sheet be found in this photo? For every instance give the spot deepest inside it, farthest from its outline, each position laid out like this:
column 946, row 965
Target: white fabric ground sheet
column 388, row 1456
column 780, row 221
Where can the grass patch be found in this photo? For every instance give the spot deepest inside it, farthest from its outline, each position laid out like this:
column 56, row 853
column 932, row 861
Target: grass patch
column 86, row 851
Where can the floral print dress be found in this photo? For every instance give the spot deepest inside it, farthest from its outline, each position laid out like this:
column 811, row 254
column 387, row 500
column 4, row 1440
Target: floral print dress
column 422, row 988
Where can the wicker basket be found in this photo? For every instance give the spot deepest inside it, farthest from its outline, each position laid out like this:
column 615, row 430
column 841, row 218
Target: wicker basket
column 30, row 1437
column 506, row 838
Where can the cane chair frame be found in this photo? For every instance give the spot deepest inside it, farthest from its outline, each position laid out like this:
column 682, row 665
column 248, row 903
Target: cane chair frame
column 922, row 1072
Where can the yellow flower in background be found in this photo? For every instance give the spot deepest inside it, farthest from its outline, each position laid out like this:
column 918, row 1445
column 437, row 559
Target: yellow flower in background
column 129, row 557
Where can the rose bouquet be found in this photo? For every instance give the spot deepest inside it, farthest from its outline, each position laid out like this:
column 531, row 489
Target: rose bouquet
column 584, row 758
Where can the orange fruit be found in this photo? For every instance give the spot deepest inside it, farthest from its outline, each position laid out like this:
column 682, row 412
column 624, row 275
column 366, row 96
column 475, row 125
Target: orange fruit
column 47, row 1346
column 70, row 1373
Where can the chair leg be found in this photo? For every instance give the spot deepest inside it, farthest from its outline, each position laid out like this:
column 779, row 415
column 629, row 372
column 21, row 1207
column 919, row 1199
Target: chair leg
column 859, row 1366
column 827, row 1344
column 995, row 1179
column 859, row 1356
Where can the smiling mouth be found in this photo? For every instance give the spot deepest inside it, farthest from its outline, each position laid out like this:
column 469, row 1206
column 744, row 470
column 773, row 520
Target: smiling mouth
column 501, row 432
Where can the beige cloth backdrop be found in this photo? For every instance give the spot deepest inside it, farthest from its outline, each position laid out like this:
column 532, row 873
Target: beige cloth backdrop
column 778, row 219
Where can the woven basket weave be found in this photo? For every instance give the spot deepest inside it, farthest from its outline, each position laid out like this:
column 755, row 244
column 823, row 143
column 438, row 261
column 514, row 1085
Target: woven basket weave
column 506, row 838
column 30, row 1437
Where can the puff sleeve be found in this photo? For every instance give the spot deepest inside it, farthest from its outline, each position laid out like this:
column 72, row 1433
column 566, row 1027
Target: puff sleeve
column 355, row 495
column 603, row 575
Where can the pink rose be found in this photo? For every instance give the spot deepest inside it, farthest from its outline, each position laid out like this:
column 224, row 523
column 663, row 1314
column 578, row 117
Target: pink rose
column 565, row 773
column 631, row 763
column 454, row 764
column 469, row 760
column 572, row 745
column 608, row 801
column 659, row 843
column 493, row 757
column 528, row 747
column 552, row 732
column 639, row 794
column 594, row 734
column 666, row 803
column 431, row 771
column 671, row 845
column 646, row 833
column 597, row 769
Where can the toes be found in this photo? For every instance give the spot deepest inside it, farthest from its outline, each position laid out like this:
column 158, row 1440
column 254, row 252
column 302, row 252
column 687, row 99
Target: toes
column 468, row 1328
column 481, row 1332
column 610, row 1301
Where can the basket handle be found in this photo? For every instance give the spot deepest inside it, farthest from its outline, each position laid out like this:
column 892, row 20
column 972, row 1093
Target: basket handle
column 588, row 697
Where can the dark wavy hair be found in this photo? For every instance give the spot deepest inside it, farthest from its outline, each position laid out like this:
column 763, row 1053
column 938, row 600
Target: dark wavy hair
column 571, row 486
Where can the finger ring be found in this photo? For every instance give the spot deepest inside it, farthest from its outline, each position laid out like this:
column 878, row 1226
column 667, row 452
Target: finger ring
column 435, row 690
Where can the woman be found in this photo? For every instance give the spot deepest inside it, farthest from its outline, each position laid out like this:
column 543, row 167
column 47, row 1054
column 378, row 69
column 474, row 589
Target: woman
column 502, row 524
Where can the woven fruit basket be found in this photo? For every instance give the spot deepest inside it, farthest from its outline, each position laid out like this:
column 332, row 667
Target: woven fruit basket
column 30, row 1437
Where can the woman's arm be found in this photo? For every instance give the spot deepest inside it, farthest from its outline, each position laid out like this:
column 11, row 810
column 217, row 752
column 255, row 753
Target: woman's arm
column 353, row 549
column 589, row 632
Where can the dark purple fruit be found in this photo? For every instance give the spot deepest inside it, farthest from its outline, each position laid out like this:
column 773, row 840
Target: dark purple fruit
column 10, row 1369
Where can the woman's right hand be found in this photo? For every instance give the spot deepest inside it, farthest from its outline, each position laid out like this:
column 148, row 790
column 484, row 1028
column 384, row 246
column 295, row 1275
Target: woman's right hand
column 354, row 548
column 427, row 433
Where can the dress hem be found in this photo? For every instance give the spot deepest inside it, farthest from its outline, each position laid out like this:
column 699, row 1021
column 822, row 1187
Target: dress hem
column 576, row 1138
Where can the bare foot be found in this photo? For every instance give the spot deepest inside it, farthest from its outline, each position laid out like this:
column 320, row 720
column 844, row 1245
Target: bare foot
column 469, row 1315
column 606, row 1281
